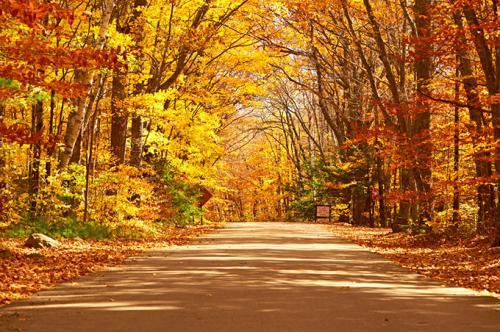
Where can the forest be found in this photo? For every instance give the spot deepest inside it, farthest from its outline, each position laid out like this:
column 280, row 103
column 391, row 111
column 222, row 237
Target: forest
column 121, row 118
column 118, row 115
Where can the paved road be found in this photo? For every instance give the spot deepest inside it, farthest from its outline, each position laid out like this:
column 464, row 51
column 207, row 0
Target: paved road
column 256, row 277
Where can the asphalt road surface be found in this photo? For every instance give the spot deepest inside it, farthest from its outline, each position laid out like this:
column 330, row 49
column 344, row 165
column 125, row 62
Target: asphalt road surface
column 256, row 277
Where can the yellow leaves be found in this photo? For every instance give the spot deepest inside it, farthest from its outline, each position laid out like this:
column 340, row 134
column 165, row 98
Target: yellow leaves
column 249, row 175
column 148, row 104
column 117, row 39
column 223, row 72
column 267, row 183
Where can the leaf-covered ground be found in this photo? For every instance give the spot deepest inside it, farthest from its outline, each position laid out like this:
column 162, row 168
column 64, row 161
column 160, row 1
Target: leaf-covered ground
column 467, row 263
column 25, row 271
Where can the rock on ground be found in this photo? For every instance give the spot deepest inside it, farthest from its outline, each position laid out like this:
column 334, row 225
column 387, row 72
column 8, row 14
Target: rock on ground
column 39, row 241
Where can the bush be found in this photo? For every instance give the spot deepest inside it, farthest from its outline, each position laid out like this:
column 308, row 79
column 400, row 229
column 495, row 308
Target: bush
column 184, row 199
column 67, row 228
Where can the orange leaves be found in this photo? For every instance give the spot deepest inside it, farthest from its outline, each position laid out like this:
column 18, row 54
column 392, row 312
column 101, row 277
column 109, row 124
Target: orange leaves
column 25, row 271
column 34, row 45
column 38, row 53
column 467, row 263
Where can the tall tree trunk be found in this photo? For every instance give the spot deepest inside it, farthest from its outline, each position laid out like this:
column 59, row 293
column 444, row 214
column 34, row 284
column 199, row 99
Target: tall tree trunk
column 495, row 108
column 387, row 118
column 50, row 151
column 485, row 192
column 380, row 173
column 456, row 154
column 74, row 124
column 136, row 141
column 77, row 149
column 404, row 123
column 77, row 114
column 422, row 123
column 491, row 73
column 496, row 124
column 88, row 164
column 119, row 116
column 360, row 206
column 37, row 129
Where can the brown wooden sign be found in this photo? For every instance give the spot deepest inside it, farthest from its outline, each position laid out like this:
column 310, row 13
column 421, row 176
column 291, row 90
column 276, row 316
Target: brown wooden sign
column 323, row 213
column 205, row 197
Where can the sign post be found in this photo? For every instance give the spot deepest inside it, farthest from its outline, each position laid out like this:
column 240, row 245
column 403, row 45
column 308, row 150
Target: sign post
column 203, row 199
column 323, row 213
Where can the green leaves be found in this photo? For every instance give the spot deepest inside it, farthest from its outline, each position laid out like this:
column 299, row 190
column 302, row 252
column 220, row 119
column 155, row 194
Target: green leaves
column 9, row 83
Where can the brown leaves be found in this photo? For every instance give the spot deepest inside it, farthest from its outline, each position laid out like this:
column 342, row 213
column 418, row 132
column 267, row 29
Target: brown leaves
column 467, row 263
column 25, row 271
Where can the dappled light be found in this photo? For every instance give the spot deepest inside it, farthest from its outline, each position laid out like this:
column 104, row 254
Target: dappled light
column 249, row 165
column 250, row 271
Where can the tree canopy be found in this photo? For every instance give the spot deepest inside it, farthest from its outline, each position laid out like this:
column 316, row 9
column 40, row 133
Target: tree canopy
column 122, row 114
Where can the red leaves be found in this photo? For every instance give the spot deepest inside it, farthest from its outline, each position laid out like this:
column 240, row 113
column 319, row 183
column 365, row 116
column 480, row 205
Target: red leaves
column 37, row 53
column 22, row 135
column 30, row 12
column 30, row 54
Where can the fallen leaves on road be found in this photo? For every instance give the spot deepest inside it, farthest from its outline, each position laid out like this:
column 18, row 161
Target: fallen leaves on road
column 467, row 263
column 25, row 271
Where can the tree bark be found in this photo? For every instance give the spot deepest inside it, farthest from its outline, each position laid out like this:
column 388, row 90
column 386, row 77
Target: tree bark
column 421, row 126
column 456, row 155
column 50, row 151
column 37, row 129
column 407, row 178
column 76, row 116
column 491, row 72
column 136, row 141
column 119, row 116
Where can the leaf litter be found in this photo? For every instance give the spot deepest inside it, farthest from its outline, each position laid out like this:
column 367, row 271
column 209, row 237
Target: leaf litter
column 24, row 271
column 466, row 262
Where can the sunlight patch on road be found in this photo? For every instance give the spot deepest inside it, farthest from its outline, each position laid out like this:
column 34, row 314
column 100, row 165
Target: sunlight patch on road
column 110, row 306
column 344, row 247
column 270, row 258
column 394, row 289
column 327, row 272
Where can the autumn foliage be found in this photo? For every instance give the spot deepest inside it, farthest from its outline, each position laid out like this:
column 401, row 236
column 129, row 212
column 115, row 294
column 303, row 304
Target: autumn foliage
column 117, row 116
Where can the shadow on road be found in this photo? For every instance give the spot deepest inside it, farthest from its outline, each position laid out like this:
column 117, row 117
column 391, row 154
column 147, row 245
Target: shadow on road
column 256, row 277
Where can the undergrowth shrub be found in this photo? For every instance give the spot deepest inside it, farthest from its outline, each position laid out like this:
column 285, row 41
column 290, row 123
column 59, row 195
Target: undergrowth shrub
column 64, row 227
column 124, row 202
column 120, row 195
column 62, row 194
column 184, row 198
